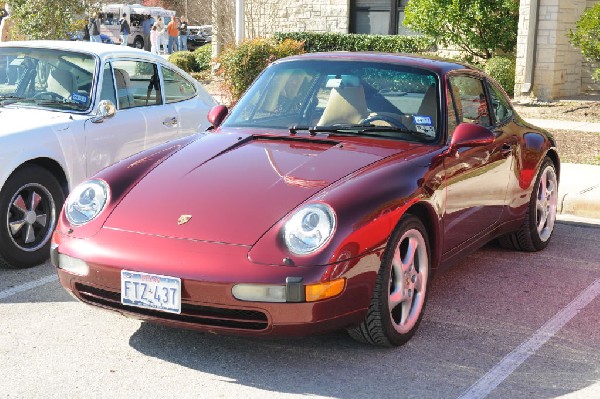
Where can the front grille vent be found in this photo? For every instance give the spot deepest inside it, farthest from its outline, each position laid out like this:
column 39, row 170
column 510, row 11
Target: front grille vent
column 193, row 314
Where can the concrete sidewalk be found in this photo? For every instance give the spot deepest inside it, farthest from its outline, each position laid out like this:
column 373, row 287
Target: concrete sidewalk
column 550, row 124
column 579, row 192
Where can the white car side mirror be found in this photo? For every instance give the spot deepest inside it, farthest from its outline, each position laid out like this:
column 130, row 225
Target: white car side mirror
column 106, row 109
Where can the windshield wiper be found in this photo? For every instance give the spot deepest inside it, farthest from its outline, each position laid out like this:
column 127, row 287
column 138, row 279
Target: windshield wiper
column 354, row 129
column 4, row 99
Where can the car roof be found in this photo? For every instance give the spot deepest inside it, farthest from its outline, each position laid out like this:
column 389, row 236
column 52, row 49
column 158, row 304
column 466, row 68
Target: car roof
column 102, row 50
column 434, row 64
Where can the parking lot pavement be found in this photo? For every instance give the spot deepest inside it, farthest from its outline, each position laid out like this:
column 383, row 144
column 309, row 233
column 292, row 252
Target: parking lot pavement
column 501, row 324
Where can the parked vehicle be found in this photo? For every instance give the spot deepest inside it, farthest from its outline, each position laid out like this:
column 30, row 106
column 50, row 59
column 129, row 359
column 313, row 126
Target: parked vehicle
column 69, row 109
column 198, row 36
column 136, row 13
column 330, row 196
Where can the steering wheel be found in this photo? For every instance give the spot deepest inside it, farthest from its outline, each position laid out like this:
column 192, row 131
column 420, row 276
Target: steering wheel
column 393, row 121
column 44, row 95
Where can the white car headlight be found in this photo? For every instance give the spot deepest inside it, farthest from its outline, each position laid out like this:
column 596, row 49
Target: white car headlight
column 309, row 229
column 86, row 201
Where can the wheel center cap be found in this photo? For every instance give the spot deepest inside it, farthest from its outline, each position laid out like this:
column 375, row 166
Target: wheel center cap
column 30, row 217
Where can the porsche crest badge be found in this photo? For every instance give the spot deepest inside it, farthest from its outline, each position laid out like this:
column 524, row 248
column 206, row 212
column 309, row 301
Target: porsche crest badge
column 183, row 219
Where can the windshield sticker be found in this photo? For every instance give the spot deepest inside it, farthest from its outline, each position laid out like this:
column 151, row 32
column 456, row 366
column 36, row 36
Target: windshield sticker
column 427, row 129
column 423, row 120
column 79, row 98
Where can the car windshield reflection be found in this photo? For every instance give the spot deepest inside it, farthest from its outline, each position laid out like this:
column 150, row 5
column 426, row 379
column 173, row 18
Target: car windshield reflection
column 320, row 96
column 46, row 78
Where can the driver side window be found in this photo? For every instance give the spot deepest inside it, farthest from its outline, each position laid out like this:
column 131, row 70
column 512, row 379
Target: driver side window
column 470, row 102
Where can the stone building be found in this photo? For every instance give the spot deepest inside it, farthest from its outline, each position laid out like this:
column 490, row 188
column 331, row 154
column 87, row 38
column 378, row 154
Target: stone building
column 548, row 67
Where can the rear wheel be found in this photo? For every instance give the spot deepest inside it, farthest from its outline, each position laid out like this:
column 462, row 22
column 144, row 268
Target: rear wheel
column 401, row 288
column 29, row 205
column 138, row 42
column 536, row 231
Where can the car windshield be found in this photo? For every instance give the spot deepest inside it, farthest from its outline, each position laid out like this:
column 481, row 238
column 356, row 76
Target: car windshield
column 46, row 78
column 343, row 97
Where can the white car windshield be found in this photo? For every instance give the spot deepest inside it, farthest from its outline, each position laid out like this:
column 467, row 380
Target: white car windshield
column 46, row 78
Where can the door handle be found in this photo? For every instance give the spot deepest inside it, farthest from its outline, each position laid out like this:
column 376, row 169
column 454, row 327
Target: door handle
column 170, row 122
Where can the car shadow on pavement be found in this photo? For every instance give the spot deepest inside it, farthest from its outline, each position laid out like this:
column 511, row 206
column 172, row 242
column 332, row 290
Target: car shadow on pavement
column 478, row 312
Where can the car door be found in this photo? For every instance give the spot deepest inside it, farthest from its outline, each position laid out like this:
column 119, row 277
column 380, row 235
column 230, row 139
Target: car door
column 477, row 178
column 139, row 121
column 191, row 102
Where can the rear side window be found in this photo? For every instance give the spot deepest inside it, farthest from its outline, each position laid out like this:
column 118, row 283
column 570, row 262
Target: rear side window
column 137, row 83
column 177, row 88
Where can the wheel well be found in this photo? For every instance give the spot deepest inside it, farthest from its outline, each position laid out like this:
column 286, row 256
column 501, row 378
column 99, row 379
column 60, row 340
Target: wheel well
column 53, row 167
column 427, row 215
column 554, row 157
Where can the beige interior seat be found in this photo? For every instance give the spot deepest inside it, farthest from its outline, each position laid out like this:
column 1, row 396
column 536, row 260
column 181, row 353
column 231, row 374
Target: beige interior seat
column 61, row 82
column 123, row 83
column 346, row 105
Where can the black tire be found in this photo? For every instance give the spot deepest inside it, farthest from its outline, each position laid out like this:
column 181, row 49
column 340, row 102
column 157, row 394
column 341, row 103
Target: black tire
column 138, row 42
column 30, row 202
column 536, row 231
column 403, row 275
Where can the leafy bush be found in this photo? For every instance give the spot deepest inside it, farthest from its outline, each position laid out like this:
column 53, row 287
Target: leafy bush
column 316, row 42
column 477, row 27
column 203, row 57
column 502, row 68
column 586, row 36
column 184, row 60
column 240, row 65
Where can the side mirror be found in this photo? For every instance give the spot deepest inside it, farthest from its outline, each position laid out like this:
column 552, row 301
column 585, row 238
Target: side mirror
column 469, row 135
column 106, row 110
column 217, row 114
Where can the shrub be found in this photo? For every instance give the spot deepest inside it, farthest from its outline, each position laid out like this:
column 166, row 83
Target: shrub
column 316, row 42
column 184, row 60
column 586, row 36
column 502, row 68
column 240, row 65
column 203, row 57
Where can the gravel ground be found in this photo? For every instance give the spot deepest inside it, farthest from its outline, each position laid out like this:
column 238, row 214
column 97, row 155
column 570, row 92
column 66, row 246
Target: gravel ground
column 573, row 146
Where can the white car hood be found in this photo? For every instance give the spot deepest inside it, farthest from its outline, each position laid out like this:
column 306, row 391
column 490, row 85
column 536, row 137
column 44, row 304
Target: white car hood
column 18, row 120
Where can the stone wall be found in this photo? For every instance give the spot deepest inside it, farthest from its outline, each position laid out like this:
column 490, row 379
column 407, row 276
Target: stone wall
column 558, row 68
column 265, row 17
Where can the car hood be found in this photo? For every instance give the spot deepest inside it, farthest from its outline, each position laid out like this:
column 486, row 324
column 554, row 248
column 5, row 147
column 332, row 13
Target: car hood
column 17, row 120
column 232, row 188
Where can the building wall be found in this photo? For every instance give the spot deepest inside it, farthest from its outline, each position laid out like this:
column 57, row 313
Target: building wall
column 558, row 67
column 265, row 17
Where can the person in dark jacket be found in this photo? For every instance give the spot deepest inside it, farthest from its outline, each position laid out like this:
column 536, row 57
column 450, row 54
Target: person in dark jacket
column 94, row 28
column 124, row 30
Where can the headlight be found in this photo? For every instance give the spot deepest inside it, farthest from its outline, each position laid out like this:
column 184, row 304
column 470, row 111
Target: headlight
column 86, row 201
column 309, row 229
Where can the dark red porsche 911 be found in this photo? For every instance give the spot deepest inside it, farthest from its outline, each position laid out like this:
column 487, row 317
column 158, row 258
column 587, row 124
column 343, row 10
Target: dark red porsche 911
column 327, row 199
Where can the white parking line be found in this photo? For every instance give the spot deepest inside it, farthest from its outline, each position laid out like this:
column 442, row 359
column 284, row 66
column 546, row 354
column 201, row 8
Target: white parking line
column 27, row 286
column 513, row 360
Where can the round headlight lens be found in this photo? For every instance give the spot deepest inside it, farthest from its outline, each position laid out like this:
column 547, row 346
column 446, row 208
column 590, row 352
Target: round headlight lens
column 86, row 201
column 309, row 229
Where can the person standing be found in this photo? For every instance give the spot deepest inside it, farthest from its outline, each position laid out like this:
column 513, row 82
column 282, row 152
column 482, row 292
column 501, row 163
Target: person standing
column 124, row 30
column 173, row 34
column 183, row 34
column 146, row 29
column 94, row 28
column 160, row 27
column 154, row 40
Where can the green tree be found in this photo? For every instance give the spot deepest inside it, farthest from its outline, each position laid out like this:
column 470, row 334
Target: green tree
column 586, row 36
column 47, row 19
column 478, row 27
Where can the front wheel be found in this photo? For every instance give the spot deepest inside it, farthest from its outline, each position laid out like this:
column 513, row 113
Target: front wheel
column 138, row 42
column 400, row 290
column 536, row 231
column 29, row 205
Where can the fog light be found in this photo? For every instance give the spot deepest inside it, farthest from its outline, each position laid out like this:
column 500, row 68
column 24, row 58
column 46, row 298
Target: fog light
column 320, row 291
column 259, row 293
column 72, row 265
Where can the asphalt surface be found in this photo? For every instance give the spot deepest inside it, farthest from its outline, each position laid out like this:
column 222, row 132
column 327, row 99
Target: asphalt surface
column 502, row 324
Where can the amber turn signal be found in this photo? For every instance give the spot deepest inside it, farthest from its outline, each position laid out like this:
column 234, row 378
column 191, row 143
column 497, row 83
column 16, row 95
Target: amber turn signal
column 320, row 291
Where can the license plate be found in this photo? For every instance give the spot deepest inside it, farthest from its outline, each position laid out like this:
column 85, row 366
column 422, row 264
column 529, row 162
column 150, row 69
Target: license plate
column 151, row 291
